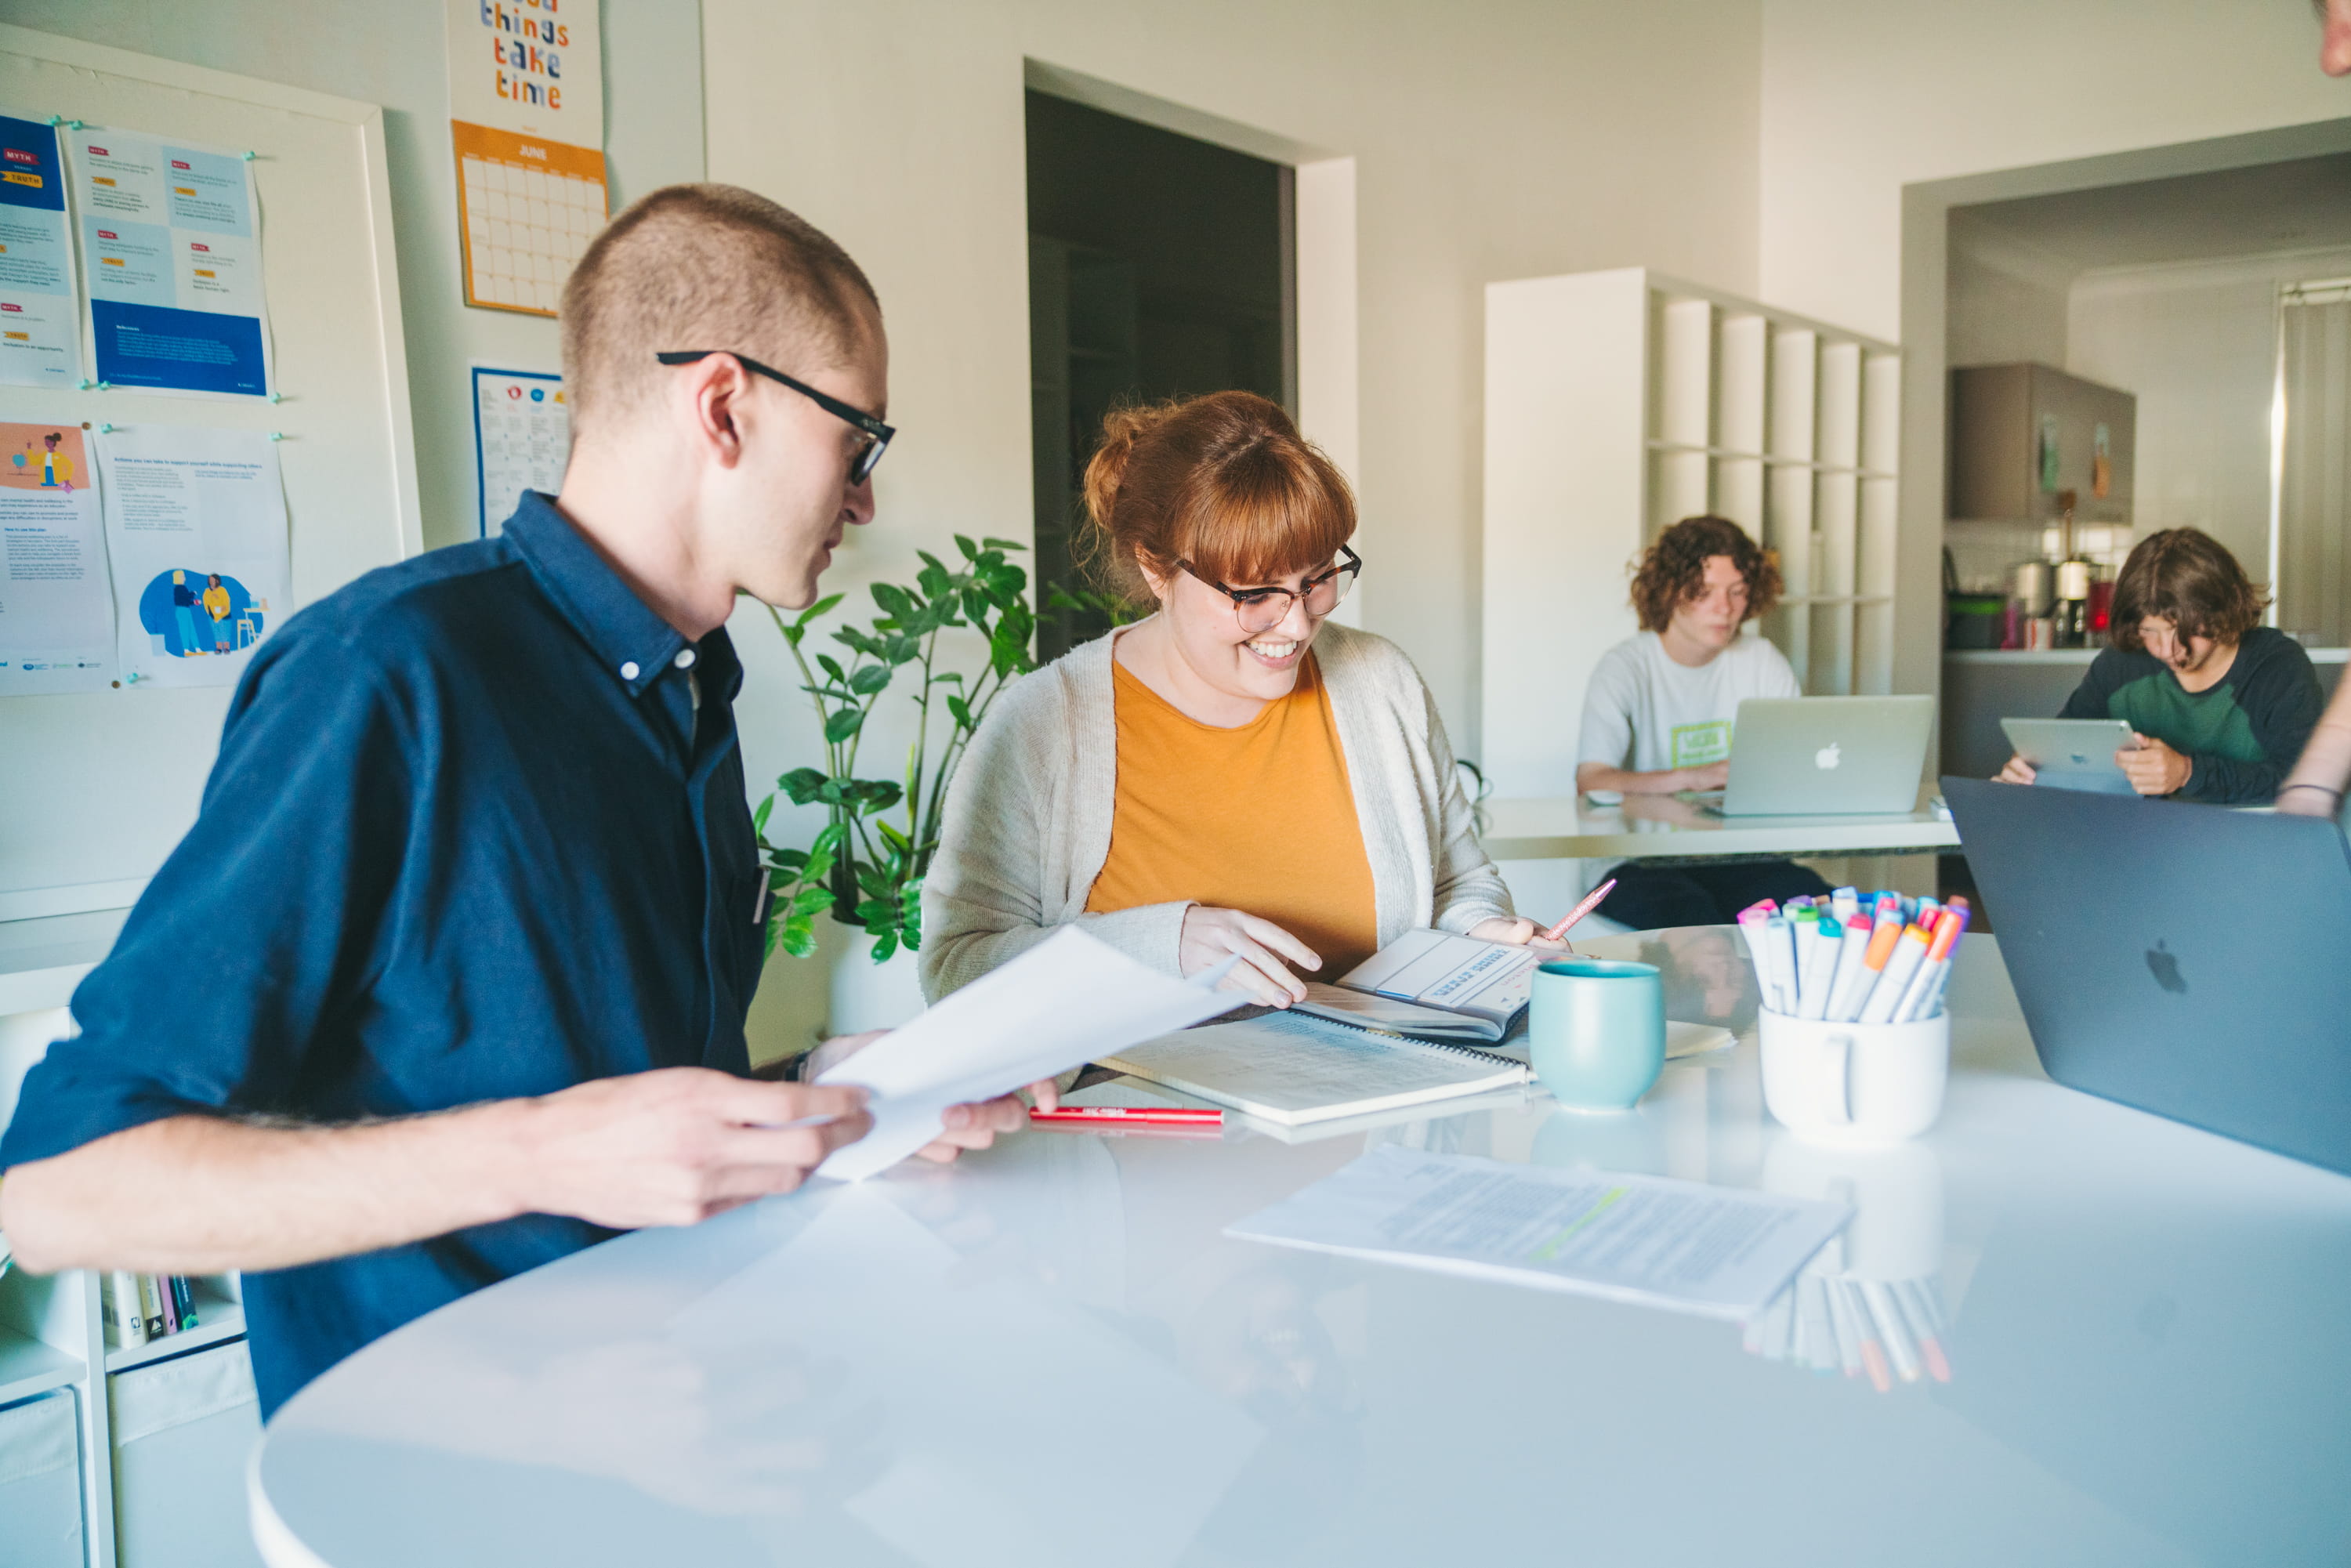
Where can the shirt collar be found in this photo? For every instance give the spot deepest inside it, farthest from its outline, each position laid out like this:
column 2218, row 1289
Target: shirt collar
column 635, row 644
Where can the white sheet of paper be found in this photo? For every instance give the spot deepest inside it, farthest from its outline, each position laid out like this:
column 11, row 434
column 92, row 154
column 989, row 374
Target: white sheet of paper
column 195, row 524
column 1060, row 1005
column 1720, row 1252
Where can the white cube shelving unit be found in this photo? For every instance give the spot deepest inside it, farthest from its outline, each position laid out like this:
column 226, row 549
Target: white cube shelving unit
column 161, row 1431
column 1619, row 401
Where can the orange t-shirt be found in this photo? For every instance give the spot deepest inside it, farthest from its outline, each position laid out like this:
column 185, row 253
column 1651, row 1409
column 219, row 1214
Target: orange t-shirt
column 1258, row 818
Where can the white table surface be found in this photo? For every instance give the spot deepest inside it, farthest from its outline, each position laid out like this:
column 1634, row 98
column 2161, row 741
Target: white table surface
column 1049, row 1355
column 1648, row 827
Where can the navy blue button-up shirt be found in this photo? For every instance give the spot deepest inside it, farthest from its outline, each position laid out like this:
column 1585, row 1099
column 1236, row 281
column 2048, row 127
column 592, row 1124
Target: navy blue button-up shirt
column 467, row 838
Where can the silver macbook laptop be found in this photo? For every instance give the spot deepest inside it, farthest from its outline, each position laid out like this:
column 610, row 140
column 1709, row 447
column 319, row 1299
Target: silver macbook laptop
column 1826, row 756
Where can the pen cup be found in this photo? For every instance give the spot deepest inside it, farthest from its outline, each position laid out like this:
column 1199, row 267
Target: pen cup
column 1596, row 1031
column 1855, row 1083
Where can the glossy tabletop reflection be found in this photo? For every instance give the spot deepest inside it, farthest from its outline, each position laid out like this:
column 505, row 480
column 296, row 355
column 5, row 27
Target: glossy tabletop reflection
column 1048, row 1354
column 1667, row 827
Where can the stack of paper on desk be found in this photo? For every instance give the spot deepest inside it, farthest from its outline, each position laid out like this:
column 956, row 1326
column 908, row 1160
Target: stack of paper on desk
column 1289, row 1070
column 1296, row 1069
column 1058, row 1005
column 1718, row 1251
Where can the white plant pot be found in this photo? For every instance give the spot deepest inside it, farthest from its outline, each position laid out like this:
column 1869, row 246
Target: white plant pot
column 867, row 995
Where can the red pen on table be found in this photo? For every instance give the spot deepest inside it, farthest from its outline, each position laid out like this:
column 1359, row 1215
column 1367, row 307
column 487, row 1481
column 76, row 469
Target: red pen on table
column 1591, row 901
column 1130, row 1115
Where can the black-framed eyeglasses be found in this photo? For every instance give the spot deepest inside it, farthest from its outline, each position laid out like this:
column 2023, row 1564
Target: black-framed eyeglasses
column 1263, row 609
column 877, row 435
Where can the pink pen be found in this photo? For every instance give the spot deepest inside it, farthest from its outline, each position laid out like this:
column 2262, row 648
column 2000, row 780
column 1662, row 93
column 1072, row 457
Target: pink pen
column 1591, row 901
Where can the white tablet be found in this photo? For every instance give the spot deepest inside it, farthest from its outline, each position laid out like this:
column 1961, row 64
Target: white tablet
column 2073, row 753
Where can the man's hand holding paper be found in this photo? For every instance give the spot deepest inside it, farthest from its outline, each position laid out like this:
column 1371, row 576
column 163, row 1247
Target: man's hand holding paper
column 1065, row 1001
column 965, row 1126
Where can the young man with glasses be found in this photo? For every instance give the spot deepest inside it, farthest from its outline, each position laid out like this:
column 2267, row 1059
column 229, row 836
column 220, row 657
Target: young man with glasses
column 1236, row 775
column 449, row 978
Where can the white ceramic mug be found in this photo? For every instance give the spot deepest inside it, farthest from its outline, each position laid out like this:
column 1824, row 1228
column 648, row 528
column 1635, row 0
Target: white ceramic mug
column 1856, row 1083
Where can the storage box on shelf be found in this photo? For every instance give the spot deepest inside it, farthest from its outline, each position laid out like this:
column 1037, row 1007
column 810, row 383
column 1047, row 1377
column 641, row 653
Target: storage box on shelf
column 1619, row 401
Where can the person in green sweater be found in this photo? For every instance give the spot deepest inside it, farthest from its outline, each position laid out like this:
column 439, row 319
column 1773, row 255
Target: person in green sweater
column 2220, row 705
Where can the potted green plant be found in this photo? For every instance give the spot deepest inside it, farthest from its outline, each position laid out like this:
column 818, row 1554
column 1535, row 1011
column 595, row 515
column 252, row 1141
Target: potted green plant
column 867, row 864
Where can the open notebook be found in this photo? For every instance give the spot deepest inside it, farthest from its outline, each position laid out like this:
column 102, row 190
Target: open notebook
column 1434, row 983
column 1288, row 1069
column 1293, row 1070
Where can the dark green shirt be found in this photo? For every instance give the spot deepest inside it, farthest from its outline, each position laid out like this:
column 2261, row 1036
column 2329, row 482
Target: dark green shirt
column 2242, row 734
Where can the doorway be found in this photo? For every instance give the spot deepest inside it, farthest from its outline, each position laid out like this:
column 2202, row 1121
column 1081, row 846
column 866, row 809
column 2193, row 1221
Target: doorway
column 1160, row 267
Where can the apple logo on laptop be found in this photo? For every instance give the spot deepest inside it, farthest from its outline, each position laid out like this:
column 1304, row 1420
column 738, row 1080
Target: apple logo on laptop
column 1827, row 756
column 2165, row 967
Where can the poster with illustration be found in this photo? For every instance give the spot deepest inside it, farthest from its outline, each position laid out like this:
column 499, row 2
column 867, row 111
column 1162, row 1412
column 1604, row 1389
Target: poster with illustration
column 56, row 607
column 196, row 523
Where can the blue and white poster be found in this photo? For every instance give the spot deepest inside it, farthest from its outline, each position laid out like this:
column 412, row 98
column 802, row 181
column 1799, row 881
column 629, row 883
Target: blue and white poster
column 170, row 240
column 40, row 319
column 522, row 439
column 196, row 525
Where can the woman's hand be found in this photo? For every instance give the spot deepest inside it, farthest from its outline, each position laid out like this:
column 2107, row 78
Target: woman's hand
column 1212, row 935
column 2153, row 767
column 1519, row 932
column 2017, row 771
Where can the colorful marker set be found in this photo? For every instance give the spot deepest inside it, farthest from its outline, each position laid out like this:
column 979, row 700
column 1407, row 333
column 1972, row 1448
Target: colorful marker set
column 1839, row 959
column 1885, row 1330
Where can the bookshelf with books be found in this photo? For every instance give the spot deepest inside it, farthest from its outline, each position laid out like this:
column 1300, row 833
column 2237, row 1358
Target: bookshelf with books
column 55, row 1334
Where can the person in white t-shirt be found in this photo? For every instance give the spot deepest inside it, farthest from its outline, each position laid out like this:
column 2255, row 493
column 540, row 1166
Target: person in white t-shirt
column 1658, row 713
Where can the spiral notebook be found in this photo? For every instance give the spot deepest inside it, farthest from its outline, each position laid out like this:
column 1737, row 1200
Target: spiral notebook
column 1292, row 1069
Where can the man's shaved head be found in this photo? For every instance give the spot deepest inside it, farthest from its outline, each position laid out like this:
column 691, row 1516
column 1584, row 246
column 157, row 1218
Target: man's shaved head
column 705, row 266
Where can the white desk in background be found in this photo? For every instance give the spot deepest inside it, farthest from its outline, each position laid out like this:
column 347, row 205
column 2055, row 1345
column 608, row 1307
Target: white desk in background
column 1048, row 1354
column 1667, row 827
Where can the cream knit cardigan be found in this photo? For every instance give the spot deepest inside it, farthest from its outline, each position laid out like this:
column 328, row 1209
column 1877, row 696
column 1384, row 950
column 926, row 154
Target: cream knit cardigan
column 1028, row 815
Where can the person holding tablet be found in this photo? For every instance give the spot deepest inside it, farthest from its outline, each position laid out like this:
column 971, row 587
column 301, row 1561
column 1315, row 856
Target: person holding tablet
column 1233, row 776
column 1657, row 714
column 2220, row 705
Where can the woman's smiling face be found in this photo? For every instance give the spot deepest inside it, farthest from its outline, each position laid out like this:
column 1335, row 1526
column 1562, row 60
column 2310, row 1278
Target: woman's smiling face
column 1204, row 627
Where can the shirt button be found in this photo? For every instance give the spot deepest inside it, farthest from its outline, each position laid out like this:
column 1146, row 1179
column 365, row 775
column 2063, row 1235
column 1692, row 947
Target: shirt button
column 684, row 660
column 628, row 670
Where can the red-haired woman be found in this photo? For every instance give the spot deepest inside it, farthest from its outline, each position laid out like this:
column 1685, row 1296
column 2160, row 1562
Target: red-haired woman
column 1233, row 775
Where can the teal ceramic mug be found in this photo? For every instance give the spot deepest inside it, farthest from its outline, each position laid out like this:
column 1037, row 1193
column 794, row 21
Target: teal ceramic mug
column 1596, row 1031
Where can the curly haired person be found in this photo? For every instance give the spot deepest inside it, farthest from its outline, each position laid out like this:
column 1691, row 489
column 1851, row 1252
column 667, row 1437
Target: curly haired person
column 1658, row 713
column 2220, row 705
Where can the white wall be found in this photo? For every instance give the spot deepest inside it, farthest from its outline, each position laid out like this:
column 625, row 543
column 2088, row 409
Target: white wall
column 1861, row 97
column 2007, row 305
column 1490, row 141
column 391, row 52
column 2198, row 343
